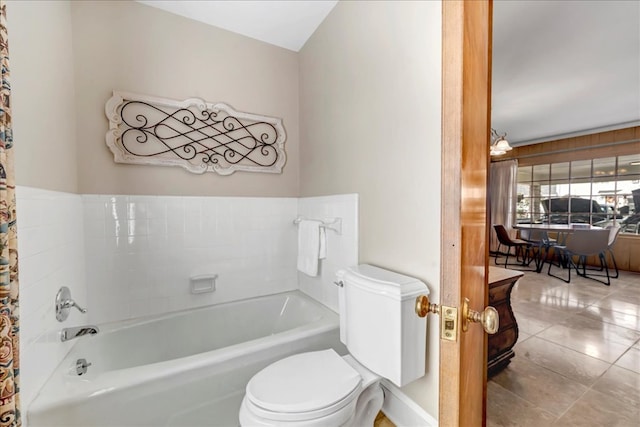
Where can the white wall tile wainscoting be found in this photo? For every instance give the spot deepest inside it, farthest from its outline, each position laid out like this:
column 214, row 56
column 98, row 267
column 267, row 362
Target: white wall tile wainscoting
column 142, row 250
column 51, row 251
column 128, row 256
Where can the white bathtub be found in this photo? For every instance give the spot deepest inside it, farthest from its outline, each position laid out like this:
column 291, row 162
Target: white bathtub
column 183, row 369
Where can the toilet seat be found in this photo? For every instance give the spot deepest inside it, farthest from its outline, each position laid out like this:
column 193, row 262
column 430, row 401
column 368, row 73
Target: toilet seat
column 304, row 386
column 384, row 338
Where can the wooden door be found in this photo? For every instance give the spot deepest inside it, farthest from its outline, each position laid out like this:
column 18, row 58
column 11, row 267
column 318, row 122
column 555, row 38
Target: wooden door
column 466, row 104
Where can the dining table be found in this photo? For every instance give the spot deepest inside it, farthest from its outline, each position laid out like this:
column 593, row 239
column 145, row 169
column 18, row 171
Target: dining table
column 556, row 227
column 561, row 232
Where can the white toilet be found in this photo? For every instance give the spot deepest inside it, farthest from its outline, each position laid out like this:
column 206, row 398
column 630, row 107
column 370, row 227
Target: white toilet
column 385, row 339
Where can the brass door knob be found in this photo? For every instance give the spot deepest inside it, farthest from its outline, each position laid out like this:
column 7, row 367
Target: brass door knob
column 489, row 318
column 424, row 307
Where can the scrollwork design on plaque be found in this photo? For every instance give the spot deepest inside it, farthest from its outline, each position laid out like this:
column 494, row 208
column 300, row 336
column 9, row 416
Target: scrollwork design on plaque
column 196, row 135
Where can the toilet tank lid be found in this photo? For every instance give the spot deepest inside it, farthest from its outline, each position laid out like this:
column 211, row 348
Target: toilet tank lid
column 381, row 281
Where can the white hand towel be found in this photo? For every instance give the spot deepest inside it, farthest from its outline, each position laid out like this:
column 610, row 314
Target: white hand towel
column 309, row 244
column 322, row 252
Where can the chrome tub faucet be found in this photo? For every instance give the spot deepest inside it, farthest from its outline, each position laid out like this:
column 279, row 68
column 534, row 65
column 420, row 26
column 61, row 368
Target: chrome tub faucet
column 78, row 331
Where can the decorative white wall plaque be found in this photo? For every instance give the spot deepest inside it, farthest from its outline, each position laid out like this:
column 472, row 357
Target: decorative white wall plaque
column 194, row 134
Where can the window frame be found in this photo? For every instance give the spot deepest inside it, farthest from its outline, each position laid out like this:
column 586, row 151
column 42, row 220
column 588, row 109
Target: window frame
column 545, row 184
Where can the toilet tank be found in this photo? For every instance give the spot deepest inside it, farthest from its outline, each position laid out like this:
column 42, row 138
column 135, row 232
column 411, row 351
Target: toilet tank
column 378, row 323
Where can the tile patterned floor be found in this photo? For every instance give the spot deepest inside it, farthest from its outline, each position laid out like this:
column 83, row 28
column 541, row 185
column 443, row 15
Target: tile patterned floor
column 577, row 358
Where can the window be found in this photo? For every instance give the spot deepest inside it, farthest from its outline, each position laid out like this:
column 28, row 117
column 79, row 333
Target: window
column 599, row 191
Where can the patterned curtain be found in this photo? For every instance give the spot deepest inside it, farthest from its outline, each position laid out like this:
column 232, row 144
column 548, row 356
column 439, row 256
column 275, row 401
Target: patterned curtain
column 9, row 313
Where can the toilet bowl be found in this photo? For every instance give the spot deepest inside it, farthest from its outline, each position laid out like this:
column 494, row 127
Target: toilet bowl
column 311, row 389
column 385, row 339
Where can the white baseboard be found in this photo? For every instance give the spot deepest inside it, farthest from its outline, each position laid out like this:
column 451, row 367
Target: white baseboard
column 403, row 411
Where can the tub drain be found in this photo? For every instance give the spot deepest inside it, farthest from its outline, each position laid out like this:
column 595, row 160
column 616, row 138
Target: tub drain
column 81, row 366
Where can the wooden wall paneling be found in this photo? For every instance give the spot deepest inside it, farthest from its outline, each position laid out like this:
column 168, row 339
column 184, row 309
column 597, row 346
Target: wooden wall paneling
column 586, row 147
column 632, row 249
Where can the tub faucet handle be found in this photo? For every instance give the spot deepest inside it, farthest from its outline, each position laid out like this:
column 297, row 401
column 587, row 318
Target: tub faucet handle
column 64, row 304
column 71, row 303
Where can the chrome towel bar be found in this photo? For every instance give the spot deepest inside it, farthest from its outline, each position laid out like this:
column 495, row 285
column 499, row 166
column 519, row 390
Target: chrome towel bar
column 334, row 224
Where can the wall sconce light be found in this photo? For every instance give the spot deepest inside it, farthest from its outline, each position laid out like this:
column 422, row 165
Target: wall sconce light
column 499, row 143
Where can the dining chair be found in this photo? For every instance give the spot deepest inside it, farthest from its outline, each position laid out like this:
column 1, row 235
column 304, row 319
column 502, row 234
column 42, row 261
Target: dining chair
column 579, row 245
column 614, row 230
column 540, row 245
column 522, row 248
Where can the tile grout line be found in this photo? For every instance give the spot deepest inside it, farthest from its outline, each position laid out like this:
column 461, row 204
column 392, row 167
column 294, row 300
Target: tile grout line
column 576, row 351
column 526, row 400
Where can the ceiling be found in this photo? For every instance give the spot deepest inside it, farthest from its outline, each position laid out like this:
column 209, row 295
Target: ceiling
column 287, row 24
column 559, row 67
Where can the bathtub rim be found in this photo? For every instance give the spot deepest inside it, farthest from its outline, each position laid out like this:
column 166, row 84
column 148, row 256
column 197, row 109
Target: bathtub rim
column 117, row 325
column 62, row 388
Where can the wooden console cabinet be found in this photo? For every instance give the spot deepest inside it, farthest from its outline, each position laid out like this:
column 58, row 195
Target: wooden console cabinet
column 500, row 344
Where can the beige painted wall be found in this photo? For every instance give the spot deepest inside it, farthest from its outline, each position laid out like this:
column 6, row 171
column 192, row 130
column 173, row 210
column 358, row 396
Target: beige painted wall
column 128, row 46
column 370, row 111
column 42, row 94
